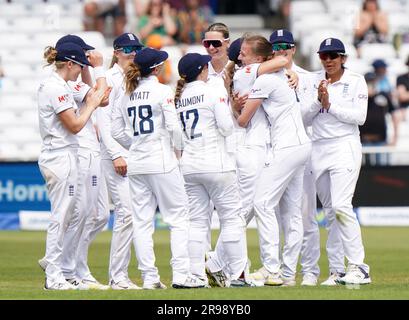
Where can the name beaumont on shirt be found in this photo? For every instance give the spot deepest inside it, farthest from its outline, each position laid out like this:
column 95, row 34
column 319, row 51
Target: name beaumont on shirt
column 139, row 95
column 189, row 101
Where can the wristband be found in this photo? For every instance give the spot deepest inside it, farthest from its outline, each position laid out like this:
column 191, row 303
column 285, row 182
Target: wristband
column 99, row 72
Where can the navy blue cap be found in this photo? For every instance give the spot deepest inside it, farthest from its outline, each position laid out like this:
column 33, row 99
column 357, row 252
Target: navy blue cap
column 69, row 51
column 281, row 36
column 370, row 76
column 127, row 40
column 379, row 63
column 74, row 39
column 149, row 58
column 331, row 44
column 191, row 65
column 234, row 50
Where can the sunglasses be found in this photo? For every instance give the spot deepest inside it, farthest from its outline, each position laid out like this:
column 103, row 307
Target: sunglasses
column 130, row 49
column 332, row 55
column 215, row 43
column 282, row 46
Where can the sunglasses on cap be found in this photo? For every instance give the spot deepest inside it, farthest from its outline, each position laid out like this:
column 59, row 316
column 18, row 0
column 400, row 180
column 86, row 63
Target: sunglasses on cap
column 215, row 43
column 282, row 46
column 130, row 49
column 331, row 54
column 76, row 62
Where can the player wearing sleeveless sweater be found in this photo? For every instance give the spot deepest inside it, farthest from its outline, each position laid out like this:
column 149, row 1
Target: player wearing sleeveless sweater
column 145, row 122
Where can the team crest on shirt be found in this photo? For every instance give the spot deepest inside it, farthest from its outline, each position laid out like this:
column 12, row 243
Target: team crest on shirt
column 78, row 87
column 247, row 69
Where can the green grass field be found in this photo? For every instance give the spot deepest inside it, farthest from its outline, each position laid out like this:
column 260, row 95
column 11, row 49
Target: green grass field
column 387, row 252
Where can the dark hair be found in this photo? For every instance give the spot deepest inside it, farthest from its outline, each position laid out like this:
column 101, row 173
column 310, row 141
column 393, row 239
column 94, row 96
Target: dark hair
column 219, row 27
column 366, row 1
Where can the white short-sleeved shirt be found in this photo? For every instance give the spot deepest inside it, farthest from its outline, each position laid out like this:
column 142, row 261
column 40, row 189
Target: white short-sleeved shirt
column 257, row 129
column 349, row 104
column 282, row 108
column 87, row 137
column 111, row 149
column 55, row 96
column 146, row 123
column 205, row 117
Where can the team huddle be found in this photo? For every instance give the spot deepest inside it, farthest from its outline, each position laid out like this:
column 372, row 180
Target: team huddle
column 246, row 133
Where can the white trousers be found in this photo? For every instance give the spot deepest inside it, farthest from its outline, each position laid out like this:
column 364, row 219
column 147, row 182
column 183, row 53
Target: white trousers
column 59, row 170
column 310, row 250
column 122, row 233
column 250, row 161
column 148, row 191
column 222, row 190
column 336, row 164
column 87, row 220
column 283, row 175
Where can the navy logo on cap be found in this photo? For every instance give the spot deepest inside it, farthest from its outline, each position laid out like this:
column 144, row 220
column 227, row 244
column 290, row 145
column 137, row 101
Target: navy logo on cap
column 328, row 42
column 280, row 33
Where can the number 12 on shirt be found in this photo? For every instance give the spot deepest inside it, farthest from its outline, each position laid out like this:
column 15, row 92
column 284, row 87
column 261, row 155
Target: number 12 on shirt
column 144, row 124
column 191, row 114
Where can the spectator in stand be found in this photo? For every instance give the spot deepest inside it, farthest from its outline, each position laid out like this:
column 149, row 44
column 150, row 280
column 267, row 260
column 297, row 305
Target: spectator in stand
column 382, row 83
column 193, row 21
column 374, row 130
column 402, row 84
column 372, row 24
column 159, row 20
column 96, row 11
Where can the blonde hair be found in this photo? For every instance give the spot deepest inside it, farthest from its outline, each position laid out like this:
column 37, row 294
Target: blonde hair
column 260, row 46
column 132, row 76
column 113, row 61
column 50, row 54
column 179, row 89
column 219, row 27
column 230, row 71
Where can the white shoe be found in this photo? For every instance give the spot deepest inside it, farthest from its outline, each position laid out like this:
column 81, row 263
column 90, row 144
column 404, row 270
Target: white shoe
column 355, row 275
column 332, row 279
column 94, row 284
column 309, row 280
column 288, row 281
column 124, row 285
column 191, row 282
column 58, row 286
column 43, row 264
column 154, row 286
column 78, row 285
column 268, row 278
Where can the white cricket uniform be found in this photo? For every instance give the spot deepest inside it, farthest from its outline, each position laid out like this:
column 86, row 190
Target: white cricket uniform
column 337, row 154
column 145, row 122
column 209, row 172
column 87, row 221
column 282, row 178
column 58, row 166
column 115, row 184
column 250, row 155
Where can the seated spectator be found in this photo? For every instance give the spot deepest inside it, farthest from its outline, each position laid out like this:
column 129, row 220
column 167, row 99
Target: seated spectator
column 402, row 84
column 193, row 21
column 96, row 11
column 372, row 24
column 374, row 131
column 382, row 83
column 158, row 21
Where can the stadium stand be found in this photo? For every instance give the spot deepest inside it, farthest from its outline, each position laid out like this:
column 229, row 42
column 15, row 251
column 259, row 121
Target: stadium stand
column 26, row 27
